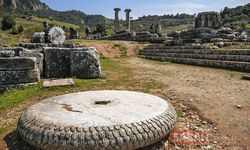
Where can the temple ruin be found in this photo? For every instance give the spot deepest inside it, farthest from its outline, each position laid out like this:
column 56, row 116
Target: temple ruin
column 208, row 19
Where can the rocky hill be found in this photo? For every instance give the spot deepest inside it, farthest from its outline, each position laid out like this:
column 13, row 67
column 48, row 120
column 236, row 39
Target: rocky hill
column 23, row 5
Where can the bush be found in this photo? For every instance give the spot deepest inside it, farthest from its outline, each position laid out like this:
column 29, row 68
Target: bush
column 8, row 22
column 20, row 29
column 17, row 30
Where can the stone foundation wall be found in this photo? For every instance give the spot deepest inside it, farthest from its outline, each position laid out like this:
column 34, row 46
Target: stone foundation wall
column 227, row 59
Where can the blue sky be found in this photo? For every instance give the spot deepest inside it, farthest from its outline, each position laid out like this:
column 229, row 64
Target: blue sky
column 143, row 7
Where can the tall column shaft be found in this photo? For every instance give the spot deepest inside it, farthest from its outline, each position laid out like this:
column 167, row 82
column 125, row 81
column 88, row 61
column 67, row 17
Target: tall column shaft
column 128, row 19
column 117, row 21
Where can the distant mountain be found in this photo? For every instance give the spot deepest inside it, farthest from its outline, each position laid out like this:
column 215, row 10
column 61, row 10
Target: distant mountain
column 23, row 5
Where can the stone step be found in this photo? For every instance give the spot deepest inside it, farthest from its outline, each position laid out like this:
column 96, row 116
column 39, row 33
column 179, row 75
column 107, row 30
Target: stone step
column 18, row 77
column 239, row 58
column 199, row 51
column 17, row 63
column 232, row 65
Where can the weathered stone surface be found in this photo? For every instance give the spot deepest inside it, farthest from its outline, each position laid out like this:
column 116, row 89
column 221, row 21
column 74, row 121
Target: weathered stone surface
column 4, row 88
column 39, row 58
column 38, row 37
column 57, row 62
column 60, row 82
column 97, row 120
column 73, row 33
column 18, row 77
column 85, row 64
column 15, row 49
column 208, row 19
column 246, row 77
column 7, row 53
column 18, row 63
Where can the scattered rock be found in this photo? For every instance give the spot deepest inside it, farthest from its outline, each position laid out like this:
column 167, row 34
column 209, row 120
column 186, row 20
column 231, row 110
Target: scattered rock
column 246, row 77
column 239, row 106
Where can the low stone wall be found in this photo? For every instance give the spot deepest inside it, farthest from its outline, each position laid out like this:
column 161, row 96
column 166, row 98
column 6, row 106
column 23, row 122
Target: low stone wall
column 238, row 58
column 17, row 71
column 198, row 51
column 239, row 66
column 228, row 59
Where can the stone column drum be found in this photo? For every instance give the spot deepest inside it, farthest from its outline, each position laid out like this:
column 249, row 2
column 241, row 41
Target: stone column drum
column 97, row 120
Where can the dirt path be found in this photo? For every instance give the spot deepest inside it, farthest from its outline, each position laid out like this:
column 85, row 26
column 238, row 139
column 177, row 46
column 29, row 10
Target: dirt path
column 215, row 93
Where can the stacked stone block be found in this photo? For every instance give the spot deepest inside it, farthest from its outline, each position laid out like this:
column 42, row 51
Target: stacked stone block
column 67, row 62
column 17, row 71
column 227, row 59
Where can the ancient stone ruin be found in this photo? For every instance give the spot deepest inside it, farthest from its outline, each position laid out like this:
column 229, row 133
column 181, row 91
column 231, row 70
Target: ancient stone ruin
column 207, row 29
column 199, row 55
column 117, row 21
column 208, row 19
column 54, row 35
column 21, row 66
column 73, row 33
column 82, row 63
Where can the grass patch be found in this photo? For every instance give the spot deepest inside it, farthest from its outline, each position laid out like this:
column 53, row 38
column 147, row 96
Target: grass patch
column 123, row 50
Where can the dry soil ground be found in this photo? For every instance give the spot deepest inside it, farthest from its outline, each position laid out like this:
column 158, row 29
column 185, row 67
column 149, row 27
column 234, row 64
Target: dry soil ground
column 220, row 96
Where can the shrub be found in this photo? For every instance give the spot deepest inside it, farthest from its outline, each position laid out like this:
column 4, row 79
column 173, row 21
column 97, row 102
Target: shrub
column 17, row 30
column 8, row 22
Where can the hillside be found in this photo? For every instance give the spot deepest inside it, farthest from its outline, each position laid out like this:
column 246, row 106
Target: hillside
column 39, row 9
column 35, row 24
column 236, row 17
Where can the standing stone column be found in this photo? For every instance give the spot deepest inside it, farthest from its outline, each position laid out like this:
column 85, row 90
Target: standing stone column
column 127, row 11
column 117, row 22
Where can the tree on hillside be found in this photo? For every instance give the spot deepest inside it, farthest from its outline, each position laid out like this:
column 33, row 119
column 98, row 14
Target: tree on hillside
column 100, row 28
column 8, row 22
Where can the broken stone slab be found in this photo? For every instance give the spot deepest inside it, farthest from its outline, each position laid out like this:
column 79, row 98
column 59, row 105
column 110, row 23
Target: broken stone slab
column 56, row 62
column 18, row 77
column 8, row 53
column 246, row 77
column 39, row 58
column 18, row 63
column 85, row 64
column 59, row 82
column 4, row 88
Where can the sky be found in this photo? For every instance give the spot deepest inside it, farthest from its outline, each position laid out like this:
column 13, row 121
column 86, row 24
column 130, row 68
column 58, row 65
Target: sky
column 143, row 7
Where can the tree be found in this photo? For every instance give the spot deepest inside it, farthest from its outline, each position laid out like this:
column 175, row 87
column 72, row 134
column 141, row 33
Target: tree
column 8, row 22
column 100, row 28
